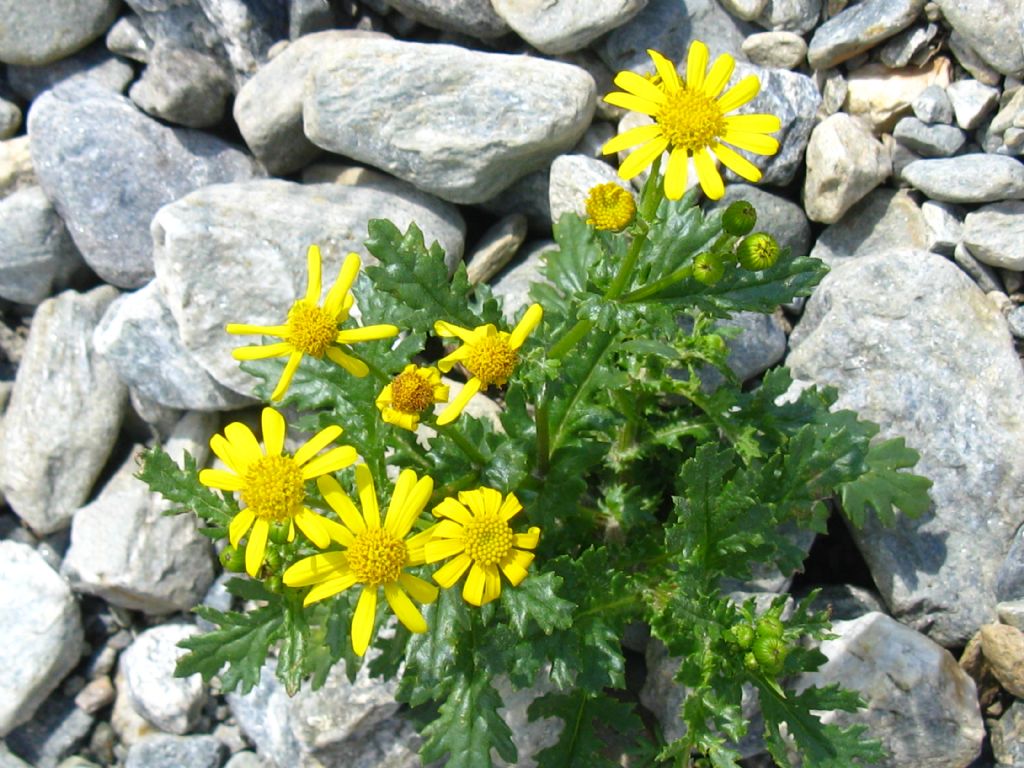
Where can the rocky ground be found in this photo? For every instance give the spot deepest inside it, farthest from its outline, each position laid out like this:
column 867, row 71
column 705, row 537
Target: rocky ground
column 164, row 165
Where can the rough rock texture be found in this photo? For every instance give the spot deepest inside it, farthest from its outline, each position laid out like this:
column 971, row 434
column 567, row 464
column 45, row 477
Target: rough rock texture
column 1003, row 647
column 41, row 32
column 34, row 247
column 994, row 233
column 973, row 178
column 883, row 217
column 476, row 18
column 565, row 25
column 911, row 343
column 170, row 703
column 176, row 751
column 94, row 63
column 182, row 86
column 859, row 28
column 882, row 96
column 991, row 28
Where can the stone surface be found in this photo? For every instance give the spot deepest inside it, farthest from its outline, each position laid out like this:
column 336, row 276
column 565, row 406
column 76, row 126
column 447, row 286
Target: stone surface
column 261, row 231
column 869, row 330
column 933, row 105
column 1010, row 583
column 513, row 284
column 561, row 26
column 10, row 118
column 993, row 233
column 759, row 344
column 969, row 59
column 859, row 28
column 571, row 179
column 984, row 26
column 1003, row 647
column 47, row 464
column 882, row 96
column 57, row 729
column 119, row 542
column 127, row 38
column 176, row 751
column 928, row 140
column 920, row 704
column 477, row 18
column 982, row 274
column 94, row 64
column 182, row 86
column 748, row 10
column 35, row 247
column 496, row 248
column 492, row 117
column 776, row 214
column 42, row 32
column 844, row 163
column 170, row 703
column 972, row 178
column 972, row 101
column 138, row 336
column 785, row 50
column 108, row 168
column 945, row 226
column 791, row 15
column 42, row 632
column 912, row 45
column 1008, row 736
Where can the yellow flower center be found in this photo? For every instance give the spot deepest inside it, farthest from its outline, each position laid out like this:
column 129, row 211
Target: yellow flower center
column 311, row 329
column 610, row 207
column 492, row 360
column 488, row 539
column 376, row 557
column 274, row 488
column 411, row 393
column 690, row 119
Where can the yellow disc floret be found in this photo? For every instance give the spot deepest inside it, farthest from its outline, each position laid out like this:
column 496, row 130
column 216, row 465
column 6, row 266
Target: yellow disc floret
column 273, row 488
column 610, row 207
column 411, row 392
column 488, row 539
column 311, row 329
column 376, row 557
column 492, row 360
column 690, row 119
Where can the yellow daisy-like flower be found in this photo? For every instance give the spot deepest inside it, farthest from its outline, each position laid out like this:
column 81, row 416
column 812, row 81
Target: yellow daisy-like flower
column 374, row 555
column 610, row 207
column 272, row 484
column 409, row 394
column 691, row 120
column 490, row 356
column 312, row 329
column 476, row 532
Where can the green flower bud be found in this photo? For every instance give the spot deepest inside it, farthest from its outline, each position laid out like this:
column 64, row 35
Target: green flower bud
column 757, row 251
column 750, row 661
column 739, row 218
column 744, row 635
column 770, row 653
column 707, row 268
column 274, row 583
column 769, row 626
column 279, row 533
column 232, row 559
column 273, row 558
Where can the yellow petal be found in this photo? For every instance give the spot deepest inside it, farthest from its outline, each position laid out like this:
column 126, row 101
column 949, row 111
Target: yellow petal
column 696, row 65
column 676, row 173
column 362, row 621
column 221, row 480
column 454, row 408
column 256, row 547
column 737, row 163
column 708, row 175
column 273, row 431
column 447, row 330
column 329, row 588
column 353, row 365
column 244, row 329
column 278, row 349
column 223, row 450
column 366, row 333
column 311, row 524
column 244, row 443
column 631, row 138
column 336, row 297
column 412, row 505
column 642, row 157
column 525, row 326
column 453, row 510
column 510, row 507
column 337, row 532
column 640, row 86
column 753, row 123
column 286, row 376
column 473, row 589
column 335, row 459
column 404, row 608
column 757, row 143
column 527, row 540
column 452, row 571
column 316, row 569
column 492, row 584
column 739, row 94
column 456, row 356
column 420, row 590
column 406, row 480
column 632, row 103
column 317, row 443
column 339, row 501
column 367, row 496
column 666, row 70
column 442, row 549
column 240, row 525
column 721, row 71
column 514, row 568
column 313, row 275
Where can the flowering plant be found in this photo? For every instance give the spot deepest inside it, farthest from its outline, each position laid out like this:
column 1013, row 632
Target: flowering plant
column 616, row 485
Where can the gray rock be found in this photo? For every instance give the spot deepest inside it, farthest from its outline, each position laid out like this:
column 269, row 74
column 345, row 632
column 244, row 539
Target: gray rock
column 10, row 118
column 748, row 10
column 245, row 759
column 42, row 632
column 937, row 573
column 529, row 736
column 35, row 247
column 180, row 24
column 561, row 26
column 182, row 86
column 139, row 338
column 991, row 28
column 308, row 16
column 476, row 18
column 984, row 275
column 791, row 15
column 119, row 541
column 920, row 704
column 48, row 465
column 1016, row 321
column 784, row 50
column 43, row 32
column 57, row 729
column 945, row 226
column 933, row 105
column 859, row 28
column 16, row 171
column 571, row 179
column 759, row 344
column 176, row 751
column 1012, row 612
column 929, row 140
column 969, row 59
column 528, row 196
column 127, row 38
column 847, row 601
column 909, row 46
column 129, row 726
column 597, row 135
column 170, row 703
column 513, row 284
column 1011, row 111
column 1007, row 735
column 94, row 64
column 972, row 178
column 261, row 231
column 993, row 233
column 108, row 168
column 496, row 248
column 776, row 214
column 1010, row 579
column 844, row 163
column 268, row 108
column 882, row 96
column 972, row 101
column 493, row 117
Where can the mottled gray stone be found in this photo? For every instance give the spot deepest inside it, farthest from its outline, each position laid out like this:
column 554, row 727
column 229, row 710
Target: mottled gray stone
column 528, row 196
column 846, row 601
column 928, row 140
column 571, row 179
column 529, row 736
column 759, row 344
column 48, row 464
column 748, row 10
column 1016, row 320
column 785, row 50
column 41, row 32
column 10, row 760
column 108, row 168
column 920, row 704
column 972, row 101
column 968, row 58
column 268, row 108
column 42, row 632
column 882, row 96
column 94, row 63
column 139, row 338
column 57, row 729
column 308, row 16
column 170, row 703
column 982, row 274
column 858, row 28
column 870, row 330
column 1010, row 579
column 1012, row 612
column 972, row 178
column 933, row 105
column 1008, row 736
column 844, row 163
column 261, row 231
column 477, row 18
column 16, row 171
column 791, row 15
column 909, row 46
column 561, row 26
column 127, row 38
column 776, row 214
column 245, row 759
column 1011, row 110
column 945, row 226
column 35, row 247
column 513, row 284
column 994, row 233
column 10, row 118
column 176, row 751
column 182, row 86
column 496, row 248
column 991, row 28
column 491, row 118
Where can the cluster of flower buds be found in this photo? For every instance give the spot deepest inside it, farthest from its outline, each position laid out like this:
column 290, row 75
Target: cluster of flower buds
column 753, row 251
column 763, row 643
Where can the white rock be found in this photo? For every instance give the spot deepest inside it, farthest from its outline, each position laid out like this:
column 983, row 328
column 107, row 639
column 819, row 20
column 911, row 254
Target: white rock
column 971, row 178
column 785, row 50
column 170, row 703
column 971, row 102
column 561, row 26
column 882, row 96
column 994, row 233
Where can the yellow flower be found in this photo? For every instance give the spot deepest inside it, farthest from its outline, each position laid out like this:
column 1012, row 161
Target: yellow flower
column 690, row 119
column 490, row 356
column 374, row 556
column 272, row 484
column 409, row 394
column 312, row 329
column 610, row 207
column 477, row 533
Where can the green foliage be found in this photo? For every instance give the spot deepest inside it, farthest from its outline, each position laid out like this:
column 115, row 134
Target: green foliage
column 468, row 726
column 181, row 486
column 883, row 487
column 581, row 744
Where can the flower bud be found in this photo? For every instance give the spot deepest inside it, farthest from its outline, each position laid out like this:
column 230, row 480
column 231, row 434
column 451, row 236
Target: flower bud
column 769, row 626
column 770, row 653
column 739, row 218
column 279, row 533
column 744, row 635
column 757, row 251
column 232, row 558
column 707, row 268
column 610, row 207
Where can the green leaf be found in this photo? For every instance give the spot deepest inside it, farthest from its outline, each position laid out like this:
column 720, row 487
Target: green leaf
column 182, row 487
column 431, row 654
column 468, row 726
column 884, row 487
column 536, row 599
column 586, row 718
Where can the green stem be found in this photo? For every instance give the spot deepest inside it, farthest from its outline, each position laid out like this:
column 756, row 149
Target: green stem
column 622, row 602
column 464, row 445
column 652, row 289
column 560, row 348
column 541, row 419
